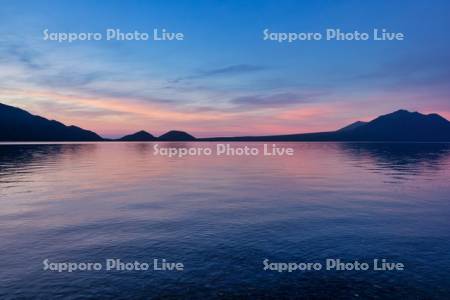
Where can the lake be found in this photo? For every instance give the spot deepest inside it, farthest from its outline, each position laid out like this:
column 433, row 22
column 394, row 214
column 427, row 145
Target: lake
column 222, row 217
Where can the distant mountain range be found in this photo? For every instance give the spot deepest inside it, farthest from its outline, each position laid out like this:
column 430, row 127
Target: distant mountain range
column 399, row 126
column 140, row 136
column 19, row 125
column 144, row 136
column 175, row 135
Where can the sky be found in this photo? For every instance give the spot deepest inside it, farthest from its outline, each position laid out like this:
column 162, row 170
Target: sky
column 223, row 79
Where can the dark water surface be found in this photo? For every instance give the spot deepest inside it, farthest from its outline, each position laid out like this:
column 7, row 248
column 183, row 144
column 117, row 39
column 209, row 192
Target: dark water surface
column 221, row 217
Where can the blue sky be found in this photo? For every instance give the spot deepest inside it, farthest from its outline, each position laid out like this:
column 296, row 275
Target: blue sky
column 223, row 78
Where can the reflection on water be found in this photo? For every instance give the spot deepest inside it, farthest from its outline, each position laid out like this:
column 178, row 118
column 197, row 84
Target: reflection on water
column 404, row 158
column 17, row 158
column 222, row 216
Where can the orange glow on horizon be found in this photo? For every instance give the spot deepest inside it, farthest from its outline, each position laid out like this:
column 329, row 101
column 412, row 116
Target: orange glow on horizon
column 113, row 117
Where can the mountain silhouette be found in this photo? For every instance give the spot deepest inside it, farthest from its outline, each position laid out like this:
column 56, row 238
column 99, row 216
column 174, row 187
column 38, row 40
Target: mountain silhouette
column 400, row 126
column 18, row 125
column 140, row 136
column 175, row 135
column 352, row 126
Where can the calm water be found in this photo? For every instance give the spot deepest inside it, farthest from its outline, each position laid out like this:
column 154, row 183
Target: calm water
column 222, row 217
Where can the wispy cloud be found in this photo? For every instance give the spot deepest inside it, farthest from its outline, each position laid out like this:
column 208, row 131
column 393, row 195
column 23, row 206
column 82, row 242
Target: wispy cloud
column 411, row 72
column 232, row 70
column 25, row 56
column 24, row 66
column 277, row 100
